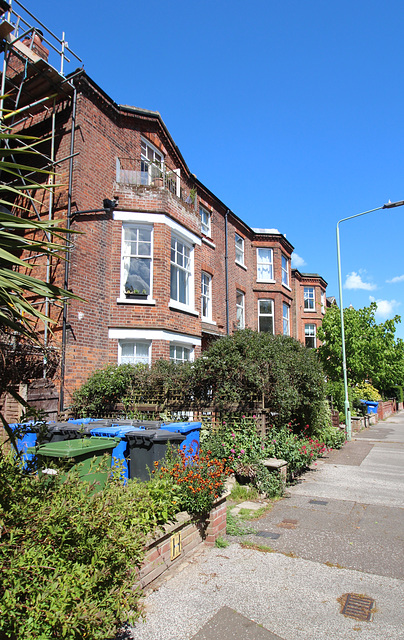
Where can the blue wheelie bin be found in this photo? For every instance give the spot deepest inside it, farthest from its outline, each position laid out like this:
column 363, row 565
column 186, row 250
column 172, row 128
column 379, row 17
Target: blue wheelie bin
column 191, row 431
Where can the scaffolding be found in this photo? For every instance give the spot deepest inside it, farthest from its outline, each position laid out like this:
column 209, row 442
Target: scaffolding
column 37, row 73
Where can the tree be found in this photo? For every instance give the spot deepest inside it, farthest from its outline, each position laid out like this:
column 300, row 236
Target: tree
column 372, row 351
column 250, row 366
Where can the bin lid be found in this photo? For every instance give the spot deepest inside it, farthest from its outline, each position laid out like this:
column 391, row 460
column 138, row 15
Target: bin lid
column 161, row 435
column 74, row 448
column 147, row 424
column 183, row 427
column 116, row 430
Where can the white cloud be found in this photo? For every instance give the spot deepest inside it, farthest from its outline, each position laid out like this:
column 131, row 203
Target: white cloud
column 396, row 279
column 385, row 308
column 354, row 281
column 297, row 261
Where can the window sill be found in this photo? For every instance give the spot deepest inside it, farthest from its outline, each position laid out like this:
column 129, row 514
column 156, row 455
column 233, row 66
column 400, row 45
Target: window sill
column 266, row 281
column 208, row 321
column 178, row 306
column 149, row 301
column 309, row 311
column 240, row 264
column 286, row 286
column 208, row 242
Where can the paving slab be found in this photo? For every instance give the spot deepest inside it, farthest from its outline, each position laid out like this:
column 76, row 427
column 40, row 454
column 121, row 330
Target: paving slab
column 227, row 624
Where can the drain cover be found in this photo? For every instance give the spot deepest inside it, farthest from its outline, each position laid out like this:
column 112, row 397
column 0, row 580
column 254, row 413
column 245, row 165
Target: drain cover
column 268, row 534
column 288, row 524
column 357, row 606
column 323, row 502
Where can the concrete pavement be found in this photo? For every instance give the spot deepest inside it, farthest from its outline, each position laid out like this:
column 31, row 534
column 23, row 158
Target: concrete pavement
column 336, row 539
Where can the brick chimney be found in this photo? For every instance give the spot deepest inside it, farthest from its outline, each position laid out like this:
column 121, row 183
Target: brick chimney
column 37, row 46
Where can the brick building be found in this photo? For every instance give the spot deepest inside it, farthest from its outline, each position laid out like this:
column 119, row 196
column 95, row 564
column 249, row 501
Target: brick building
column 169, row 268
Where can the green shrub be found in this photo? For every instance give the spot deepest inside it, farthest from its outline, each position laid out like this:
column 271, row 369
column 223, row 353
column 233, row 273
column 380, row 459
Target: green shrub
column 250, row 366
column 397, row 392
column 69, row 556
column 332, row 437
column 365, row 391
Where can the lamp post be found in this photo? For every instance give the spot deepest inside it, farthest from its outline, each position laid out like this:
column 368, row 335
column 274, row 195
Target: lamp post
column 388, row 205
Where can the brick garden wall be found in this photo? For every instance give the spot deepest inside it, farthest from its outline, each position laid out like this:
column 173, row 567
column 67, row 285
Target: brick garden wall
column 158, row 552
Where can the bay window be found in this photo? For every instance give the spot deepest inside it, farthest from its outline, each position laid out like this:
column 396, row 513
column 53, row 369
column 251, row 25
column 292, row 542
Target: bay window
column 134, row 352
column 266, row 316
column 265, row 265
column 240, row 309
column 310, row 335
column 309, row 299
column 181, row 277
column 206, row 296
column 285, row 319
column 136, row 272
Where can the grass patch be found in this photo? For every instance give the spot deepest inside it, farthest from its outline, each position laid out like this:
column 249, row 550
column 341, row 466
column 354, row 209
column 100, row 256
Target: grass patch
column 241, row 492
column 235, row 526
column 257, row 547
column 221, row 543
column 254, row 514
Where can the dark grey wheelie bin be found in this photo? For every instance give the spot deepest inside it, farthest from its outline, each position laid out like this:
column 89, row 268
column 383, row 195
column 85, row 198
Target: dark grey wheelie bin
column 147, row 447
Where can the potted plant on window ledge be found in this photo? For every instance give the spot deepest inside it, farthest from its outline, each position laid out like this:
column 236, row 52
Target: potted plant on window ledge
column 135, row 294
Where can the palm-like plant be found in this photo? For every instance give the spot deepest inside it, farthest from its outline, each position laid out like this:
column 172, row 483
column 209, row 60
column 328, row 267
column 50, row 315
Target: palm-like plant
column 22, row 235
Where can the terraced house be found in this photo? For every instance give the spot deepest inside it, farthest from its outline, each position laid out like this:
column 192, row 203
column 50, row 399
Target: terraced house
column 163, row 265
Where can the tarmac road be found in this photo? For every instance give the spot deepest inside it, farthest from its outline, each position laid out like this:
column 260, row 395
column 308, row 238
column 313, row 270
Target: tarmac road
column 339, row 532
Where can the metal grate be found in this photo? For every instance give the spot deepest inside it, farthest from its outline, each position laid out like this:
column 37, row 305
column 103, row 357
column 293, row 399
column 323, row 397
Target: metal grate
column 357, row 606
column 323, row 502
column 268, row 534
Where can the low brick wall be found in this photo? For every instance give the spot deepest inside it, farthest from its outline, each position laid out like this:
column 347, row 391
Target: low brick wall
column 182, row 537
column 386, row 408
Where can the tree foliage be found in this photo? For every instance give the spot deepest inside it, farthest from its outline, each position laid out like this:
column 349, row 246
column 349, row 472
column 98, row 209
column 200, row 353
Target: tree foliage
column 372, row 351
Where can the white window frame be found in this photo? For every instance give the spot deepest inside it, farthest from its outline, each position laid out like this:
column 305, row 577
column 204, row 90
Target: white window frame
column 240, row 309
column 206, row 217
column 323, row 302
column 239, row 247
column 125, row 254
column 266, row 315
column 285, row 319
column 310, row 333
column 151, row 167
column 310, row 298
column 181, row 349
column 187, row 269
column 206, row 296
column 136, row 344
column 264, row 264
column 285, row 271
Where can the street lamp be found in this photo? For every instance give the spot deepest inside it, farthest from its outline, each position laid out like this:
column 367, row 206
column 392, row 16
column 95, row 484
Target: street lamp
column 389, row 205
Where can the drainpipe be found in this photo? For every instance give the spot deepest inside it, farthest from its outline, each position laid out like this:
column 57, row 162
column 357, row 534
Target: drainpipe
column 66, row 279
column 226, row 268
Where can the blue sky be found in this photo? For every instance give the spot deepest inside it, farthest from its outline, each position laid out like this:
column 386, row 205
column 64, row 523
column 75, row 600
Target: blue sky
column 290, row 111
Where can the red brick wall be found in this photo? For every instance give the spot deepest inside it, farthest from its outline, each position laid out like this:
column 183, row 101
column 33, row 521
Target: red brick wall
column 103, row 133
column 158, row 553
